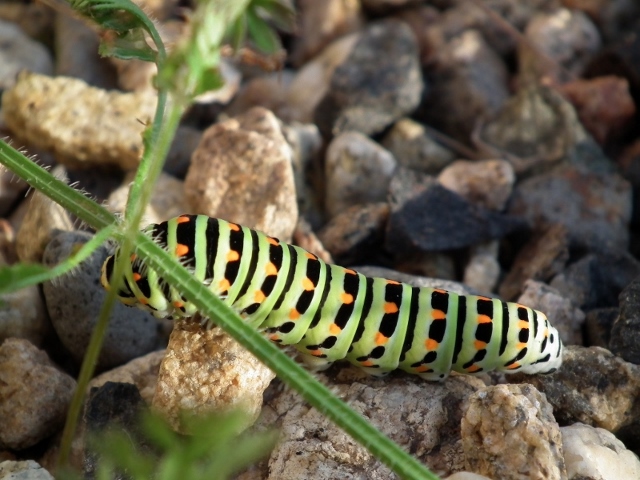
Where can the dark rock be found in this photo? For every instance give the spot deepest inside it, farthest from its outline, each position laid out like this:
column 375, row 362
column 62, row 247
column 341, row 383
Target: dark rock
column 544, row 256
column 595, row 207
column 592, row 386
column 113, row 405
column 599, row 322
column 74, row 301
column 379, row 82
column 596, row 280
column 425, row 216
column 625, row 334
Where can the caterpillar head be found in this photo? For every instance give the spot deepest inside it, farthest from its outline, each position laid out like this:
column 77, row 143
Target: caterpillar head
column 549, row 349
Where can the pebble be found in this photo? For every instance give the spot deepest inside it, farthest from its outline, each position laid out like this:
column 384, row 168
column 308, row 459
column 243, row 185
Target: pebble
column 23, row 315
column 35, row 393
column 305, row 238
column 594, row 387
column 23, row 470
column 379, row 82
column 19, row 52
column 599, row 322
column 416, row 221
column 323, row 22
column 167, row 200
column 357, row 171
column 352, row 235
column 11, row 188
column 266, row 91
column 242, row 172
column 555, row 137
column 486, row 183
column 482, row 270
column 541, row 258
column 467, row 81
column 596, row 280
column 51, row 114
column 413, row 147
column 568, row 37
column 508, row 432
column 604, row 105
column 74, row 301
column 207, row 371
column 596, row 453
column 625, row 334
column 595, row 207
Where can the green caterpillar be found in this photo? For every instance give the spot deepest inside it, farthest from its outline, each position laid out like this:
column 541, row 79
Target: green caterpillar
column 331, row 313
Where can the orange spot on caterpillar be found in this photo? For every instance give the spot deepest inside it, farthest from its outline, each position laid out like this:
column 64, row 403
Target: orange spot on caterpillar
column 308, row 284
column 473, row 368
column 271, row 269
column 349, row 271
column 234, row 226
column 183, row 219
column 480, row 345
column 143, row 300
column 346, row 298
column 422, row 369
column 259, row 296
column 224, row 285
column 181, row 249
column 294, row 314
column 390, row 307
column 233, row 256
column 520, row 346
column 334, row 329
column 440, row 290
column 366, row 363
column 438, row 315
column 381, row 339
column 523, row 324
column 132, row 258
column 178, row 304
column 136, row 276
column 274, row 337
column 311, row 256
column 316, row 353
column 392, row 282
column 273, row 241
column 513, row 366
column 431, row 344
column 484, row 319
column 480, row 297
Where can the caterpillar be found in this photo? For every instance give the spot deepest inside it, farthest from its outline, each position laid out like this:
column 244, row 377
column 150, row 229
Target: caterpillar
column 331, row 313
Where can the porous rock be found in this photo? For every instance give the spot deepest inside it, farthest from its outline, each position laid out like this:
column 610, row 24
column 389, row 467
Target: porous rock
column 51, row 113
column 594, row 453
column 74, row 301
column 417, row 223
column 423, row 417
column 595, row 207
column 357, row 171
column 508, row 432
column 242, row 172
column 594, row 387
column 207, row 371
column 35, row 395
column 379, row 82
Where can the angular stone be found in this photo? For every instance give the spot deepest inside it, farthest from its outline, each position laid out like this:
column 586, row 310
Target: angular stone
column 625, row 334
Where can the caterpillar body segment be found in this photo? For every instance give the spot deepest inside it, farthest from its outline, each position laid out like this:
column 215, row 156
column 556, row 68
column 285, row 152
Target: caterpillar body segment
column 331, row 313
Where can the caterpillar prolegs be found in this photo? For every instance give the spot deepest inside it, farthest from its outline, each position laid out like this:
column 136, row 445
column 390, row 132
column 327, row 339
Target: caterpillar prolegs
column 331, row 313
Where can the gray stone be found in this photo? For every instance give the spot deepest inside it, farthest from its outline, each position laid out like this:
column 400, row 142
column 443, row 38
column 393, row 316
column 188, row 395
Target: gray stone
column 625, row 334
column 74, row 302
column 19, row 52
column 23, row 470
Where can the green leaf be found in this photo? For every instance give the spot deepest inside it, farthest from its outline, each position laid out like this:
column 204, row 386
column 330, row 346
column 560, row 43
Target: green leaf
column 281, row 13
column 261, row 34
